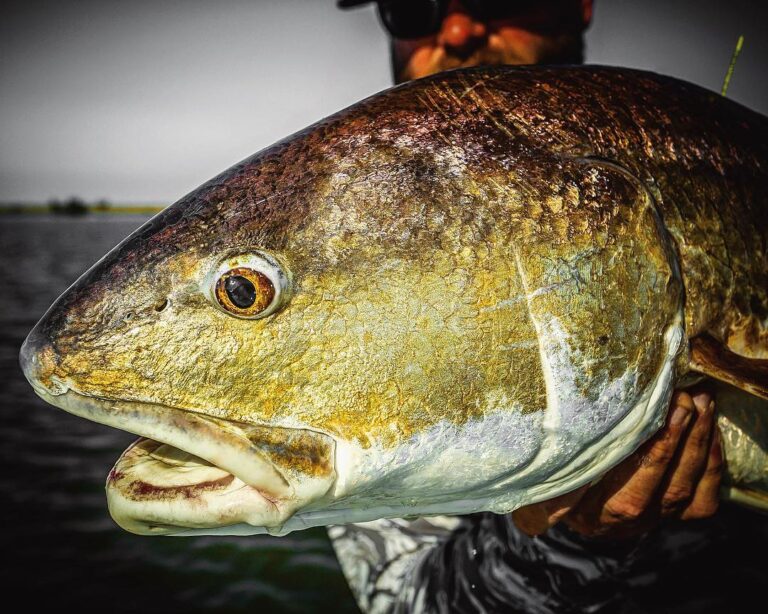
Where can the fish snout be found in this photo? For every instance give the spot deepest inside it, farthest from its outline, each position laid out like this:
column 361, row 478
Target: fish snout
column 38, row 359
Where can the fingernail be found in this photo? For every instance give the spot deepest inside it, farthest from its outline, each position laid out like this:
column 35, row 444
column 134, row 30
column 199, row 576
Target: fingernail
column 680, row 415
column 703, row 401
column 706, row 409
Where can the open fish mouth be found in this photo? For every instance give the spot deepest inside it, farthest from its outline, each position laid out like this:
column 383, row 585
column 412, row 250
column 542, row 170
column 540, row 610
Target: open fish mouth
column 192, row 472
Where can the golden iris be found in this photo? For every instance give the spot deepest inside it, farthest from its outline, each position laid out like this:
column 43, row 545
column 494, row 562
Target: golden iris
column 245, row 292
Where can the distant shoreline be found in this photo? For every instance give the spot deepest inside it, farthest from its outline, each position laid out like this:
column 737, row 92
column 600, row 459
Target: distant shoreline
column 80, row 208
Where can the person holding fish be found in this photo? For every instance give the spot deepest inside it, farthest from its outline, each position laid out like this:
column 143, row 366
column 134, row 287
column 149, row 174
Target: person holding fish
column 447, row 323
column 675, row 475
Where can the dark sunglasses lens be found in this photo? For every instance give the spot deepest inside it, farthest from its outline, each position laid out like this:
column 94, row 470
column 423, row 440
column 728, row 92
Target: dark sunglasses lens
column 411, row 18
column 499, row 9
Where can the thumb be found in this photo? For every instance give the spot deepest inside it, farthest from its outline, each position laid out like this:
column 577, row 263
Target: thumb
column 536, row 518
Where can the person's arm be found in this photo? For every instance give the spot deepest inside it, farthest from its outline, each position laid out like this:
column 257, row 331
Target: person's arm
column 381, row 559
column 674, row 475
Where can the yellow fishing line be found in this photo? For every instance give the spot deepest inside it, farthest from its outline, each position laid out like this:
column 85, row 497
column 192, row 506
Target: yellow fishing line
column 734, row 57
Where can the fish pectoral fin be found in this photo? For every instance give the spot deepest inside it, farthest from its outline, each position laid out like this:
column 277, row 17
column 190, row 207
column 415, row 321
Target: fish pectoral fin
column 713, row 358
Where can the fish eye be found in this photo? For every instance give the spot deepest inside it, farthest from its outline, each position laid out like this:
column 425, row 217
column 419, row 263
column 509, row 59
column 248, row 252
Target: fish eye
column 251, row 286
column 244, row 292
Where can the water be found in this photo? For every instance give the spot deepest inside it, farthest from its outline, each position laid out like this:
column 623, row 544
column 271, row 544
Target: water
column 59, row 545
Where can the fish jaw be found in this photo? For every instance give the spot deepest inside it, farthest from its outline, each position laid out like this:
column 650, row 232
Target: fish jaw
column 192, row 471
column 156, row 489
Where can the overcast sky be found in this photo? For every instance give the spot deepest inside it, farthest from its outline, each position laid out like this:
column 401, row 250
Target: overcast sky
column 141, row 101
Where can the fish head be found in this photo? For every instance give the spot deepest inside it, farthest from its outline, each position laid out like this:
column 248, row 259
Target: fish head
column 294, row 336
column 365, row 320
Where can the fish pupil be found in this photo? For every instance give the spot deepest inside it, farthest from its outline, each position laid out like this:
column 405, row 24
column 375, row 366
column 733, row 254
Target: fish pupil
column 240, row 291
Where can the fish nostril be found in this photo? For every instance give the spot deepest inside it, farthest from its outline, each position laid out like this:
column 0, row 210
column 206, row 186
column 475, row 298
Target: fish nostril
column 161, row 305
column 38, row 360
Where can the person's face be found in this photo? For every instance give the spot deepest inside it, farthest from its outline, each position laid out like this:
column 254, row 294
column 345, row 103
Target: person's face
column 541, row 32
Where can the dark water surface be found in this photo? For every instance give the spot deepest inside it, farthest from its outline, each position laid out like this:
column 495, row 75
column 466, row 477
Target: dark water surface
column 59, row 545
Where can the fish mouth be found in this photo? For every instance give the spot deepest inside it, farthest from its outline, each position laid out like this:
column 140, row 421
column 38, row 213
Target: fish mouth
column 190, row 471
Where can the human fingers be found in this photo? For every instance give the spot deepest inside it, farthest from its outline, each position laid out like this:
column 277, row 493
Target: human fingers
column 625, row 500
column 692, row 457
column 633, row 499
column 706, row 498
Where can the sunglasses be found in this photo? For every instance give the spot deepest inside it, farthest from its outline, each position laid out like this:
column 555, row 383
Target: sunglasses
column 417, row 18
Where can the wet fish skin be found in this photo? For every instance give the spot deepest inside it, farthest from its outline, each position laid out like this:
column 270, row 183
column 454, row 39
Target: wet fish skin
column 512, row 256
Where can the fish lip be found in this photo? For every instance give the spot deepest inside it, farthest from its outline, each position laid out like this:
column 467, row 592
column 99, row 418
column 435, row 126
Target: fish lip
column 224, row 447
column 140, row 504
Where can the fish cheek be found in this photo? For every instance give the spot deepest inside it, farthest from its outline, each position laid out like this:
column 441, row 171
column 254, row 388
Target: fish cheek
column 411, row 346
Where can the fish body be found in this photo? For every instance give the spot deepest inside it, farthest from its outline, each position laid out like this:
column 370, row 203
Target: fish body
column 470, row 292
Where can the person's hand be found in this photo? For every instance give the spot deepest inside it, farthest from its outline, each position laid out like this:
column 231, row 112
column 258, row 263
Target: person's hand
column 676, row 474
